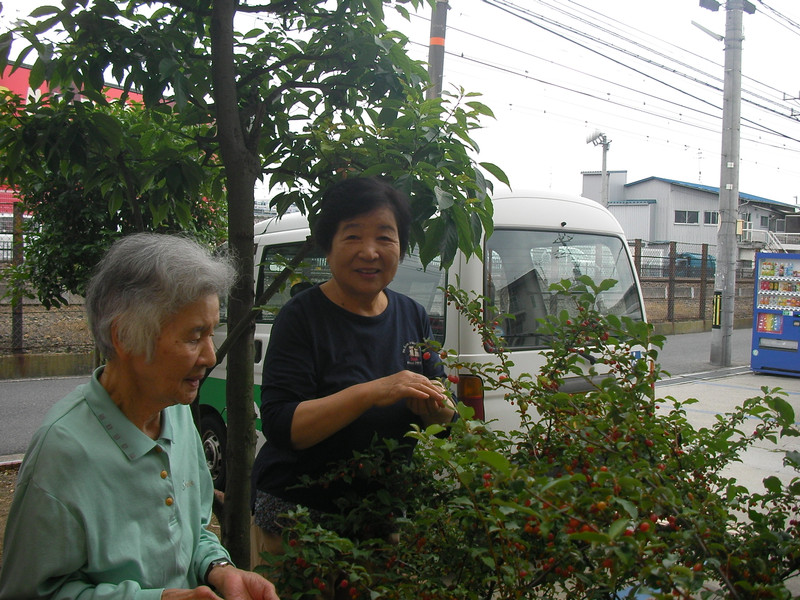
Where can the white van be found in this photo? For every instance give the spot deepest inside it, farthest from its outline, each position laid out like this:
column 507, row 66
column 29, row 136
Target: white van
column 538, row 239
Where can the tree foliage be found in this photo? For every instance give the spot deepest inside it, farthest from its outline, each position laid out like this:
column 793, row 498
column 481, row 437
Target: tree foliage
column 88, row 173
column 298, row 94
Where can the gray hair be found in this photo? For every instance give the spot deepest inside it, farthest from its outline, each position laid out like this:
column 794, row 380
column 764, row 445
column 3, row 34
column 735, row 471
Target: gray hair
column 142, row 281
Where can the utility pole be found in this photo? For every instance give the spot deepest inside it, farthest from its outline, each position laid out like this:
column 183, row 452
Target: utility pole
column 727, row 249
column 436, row 48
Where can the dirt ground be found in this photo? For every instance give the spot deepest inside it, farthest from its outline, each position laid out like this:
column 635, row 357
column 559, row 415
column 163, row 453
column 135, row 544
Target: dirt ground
column 57, row 330
column 8, row 477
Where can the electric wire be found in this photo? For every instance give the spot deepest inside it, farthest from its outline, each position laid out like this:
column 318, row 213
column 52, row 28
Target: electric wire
column 507, row 9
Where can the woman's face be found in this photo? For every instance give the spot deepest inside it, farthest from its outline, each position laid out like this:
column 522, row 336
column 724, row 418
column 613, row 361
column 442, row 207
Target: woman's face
column 184, row 351
column 365, row 253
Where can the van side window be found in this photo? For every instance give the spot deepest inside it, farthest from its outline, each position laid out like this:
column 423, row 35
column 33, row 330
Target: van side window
column 313, row 270
column 522, row 264
column 423, row 285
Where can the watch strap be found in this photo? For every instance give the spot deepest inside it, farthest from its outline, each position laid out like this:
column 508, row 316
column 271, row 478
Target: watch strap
column 219, row 562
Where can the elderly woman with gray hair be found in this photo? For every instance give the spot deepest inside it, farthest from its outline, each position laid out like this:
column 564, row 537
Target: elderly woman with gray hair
column 114, row 496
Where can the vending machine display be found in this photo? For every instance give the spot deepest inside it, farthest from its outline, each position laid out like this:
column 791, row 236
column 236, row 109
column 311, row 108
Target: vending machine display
column 776, row 315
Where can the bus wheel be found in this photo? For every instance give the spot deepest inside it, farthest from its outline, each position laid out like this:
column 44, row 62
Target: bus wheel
column 214, row 436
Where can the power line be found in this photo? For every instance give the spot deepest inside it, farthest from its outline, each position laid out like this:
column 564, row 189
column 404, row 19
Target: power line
column 751, row 123
column 510, row 8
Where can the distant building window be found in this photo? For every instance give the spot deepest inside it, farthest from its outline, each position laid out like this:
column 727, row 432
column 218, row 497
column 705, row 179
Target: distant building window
column 711, row 217
column 765, row 222
column 690, row 217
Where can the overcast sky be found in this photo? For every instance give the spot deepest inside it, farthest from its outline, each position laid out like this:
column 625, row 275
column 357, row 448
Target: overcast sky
column 555, row 71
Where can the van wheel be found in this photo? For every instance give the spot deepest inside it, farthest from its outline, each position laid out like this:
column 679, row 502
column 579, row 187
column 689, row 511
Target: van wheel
column 214, row 436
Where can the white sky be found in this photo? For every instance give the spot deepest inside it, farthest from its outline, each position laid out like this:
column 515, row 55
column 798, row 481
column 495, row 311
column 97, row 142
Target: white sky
column 550, row 93
column 637, row 70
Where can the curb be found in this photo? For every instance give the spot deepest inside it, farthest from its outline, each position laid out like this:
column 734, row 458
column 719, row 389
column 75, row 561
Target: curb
column 57, row 364
column 10, row 462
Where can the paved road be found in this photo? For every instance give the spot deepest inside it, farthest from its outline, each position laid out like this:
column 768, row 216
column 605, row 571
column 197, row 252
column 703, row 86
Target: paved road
column 689, row 353
column 23, row 403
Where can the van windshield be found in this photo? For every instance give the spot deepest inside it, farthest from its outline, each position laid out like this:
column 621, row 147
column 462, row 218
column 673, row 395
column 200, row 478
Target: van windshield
column 422, row 284
column 522, row 264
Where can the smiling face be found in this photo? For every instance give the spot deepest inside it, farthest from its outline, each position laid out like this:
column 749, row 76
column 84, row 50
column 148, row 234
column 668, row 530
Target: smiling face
column 364, row 255
column 184, row 351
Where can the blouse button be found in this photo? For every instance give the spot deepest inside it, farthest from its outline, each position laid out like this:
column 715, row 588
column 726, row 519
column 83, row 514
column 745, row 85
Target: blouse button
column 163, row 474
column 169, row 501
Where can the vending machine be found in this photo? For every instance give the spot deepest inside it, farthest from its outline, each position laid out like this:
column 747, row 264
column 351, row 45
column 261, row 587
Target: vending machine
column 776, row 315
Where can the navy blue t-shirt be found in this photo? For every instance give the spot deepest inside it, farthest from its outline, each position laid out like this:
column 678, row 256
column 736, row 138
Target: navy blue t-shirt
column 317, row 348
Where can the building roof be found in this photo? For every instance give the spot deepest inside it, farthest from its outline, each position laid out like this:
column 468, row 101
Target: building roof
column 715, row 190
column 633, row 201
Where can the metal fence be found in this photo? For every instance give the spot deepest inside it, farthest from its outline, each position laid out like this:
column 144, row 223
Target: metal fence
column 6, row 248
column 678, row 282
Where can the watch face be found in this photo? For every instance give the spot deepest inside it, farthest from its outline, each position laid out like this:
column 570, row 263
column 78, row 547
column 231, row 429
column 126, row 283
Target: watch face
column 220, row 562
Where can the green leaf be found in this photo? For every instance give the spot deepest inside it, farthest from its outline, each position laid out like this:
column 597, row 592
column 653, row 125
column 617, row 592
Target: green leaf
column 784, row 409
column 444, row 200
column 495, row 460
column 628, row 506
column 617, row 528
column 591, row 536
column 36, row 75
column 773, row 484
column 793, row 457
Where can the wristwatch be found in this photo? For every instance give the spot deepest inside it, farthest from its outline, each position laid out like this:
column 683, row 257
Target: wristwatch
column 219, row 562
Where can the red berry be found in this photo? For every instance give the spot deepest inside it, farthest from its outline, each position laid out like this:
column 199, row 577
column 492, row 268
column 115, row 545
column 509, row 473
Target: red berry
column 644, row 526
column 426, row 355
column 344, row 583
column 453, row 378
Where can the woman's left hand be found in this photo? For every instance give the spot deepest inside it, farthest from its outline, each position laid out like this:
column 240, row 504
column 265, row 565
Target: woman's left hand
column 431, row 409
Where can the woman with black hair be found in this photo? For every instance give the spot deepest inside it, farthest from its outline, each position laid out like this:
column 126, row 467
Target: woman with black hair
column 346, row 360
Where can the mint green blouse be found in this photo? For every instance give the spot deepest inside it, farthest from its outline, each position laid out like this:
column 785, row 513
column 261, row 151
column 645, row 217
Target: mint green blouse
column 103, row 511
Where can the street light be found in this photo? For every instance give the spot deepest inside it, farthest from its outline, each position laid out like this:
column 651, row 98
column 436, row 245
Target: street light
column 598, row 138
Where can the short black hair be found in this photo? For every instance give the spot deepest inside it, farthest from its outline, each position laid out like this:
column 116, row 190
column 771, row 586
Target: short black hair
column 356, row 196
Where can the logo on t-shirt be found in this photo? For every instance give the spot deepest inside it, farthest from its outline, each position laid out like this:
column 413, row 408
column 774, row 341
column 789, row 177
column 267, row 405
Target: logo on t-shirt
column 413, row 356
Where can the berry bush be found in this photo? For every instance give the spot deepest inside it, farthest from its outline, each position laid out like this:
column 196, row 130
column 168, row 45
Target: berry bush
column 610, row 493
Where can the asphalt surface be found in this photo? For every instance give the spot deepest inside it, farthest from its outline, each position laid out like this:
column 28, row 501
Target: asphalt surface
column 688, row 355
column 684, row 358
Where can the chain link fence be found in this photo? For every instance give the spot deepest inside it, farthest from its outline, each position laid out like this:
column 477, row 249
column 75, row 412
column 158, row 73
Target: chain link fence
column 37, row 330
column 678, row 282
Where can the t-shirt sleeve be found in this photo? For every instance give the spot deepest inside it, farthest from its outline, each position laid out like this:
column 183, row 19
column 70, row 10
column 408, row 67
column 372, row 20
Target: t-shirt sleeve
column 287, row 379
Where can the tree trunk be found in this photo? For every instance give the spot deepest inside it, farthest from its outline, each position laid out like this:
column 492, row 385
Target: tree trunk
column 241, row 170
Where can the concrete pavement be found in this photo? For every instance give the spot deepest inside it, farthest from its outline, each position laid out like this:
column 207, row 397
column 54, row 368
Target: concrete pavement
column 720, row 394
